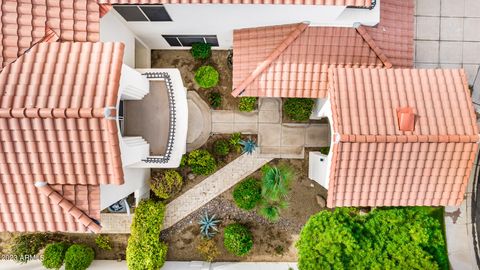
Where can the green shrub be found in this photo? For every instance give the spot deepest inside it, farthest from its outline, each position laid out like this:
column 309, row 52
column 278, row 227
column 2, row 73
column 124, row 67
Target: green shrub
column 183, row 161
column 201, row 51
column 247, row 194
column 207, row 77
column 324, row 150
column 234, row 141
column 166, row 183
column 215, row 99
column 144, row 249
column 271, row 210
column 103, row 242
column 54, row 255
column 25, row 246
column 390, row 238
column 221, row 147
column 208, row 249
column 202, row 162
column 247, row 104
column 78, row 257
column 238, row 239
column 298, row 109
column 146, row 253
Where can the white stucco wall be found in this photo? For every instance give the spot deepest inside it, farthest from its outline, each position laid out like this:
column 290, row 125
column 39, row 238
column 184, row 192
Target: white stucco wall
column 222, row 19
column 319, row 164
column 113, row 28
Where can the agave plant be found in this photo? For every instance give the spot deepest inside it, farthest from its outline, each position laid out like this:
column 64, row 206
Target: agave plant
column 208, row 225
column 249, row 146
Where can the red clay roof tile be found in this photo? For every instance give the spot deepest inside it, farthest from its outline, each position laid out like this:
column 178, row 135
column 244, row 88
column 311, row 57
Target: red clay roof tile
column 301, row 69
column 377, row 164
column 352, row 3
column 53, row 129
column 25, row 23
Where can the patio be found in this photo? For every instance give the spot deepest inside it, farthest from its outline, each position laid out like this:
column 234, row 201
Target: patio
column 150, row 118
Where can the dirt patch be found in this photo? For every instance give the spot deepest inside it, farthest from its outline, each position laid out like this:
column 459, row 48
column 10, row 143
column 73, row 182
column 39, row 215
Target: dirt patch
column 119, row 243
column 272, row 241
column 190, row 180
column 183, row 60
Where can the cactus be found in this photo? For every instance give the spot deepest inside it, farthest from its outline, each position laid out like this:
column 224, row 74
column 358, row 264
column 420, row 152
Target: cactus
column 249, row 146
column 208, row 225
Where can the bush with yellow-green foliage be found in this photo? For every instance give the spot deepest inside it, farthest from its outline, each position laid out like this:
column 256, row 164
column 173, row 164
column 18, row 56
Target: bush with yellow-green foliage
column 145, row 250
column 166, row 183
column 208, row 249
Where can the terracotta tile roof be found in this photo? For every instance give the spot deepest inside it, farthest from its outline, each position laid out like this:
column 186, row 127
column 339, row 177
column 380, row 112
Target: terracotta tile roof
column 55, row 127
column 301, row 69
column 351, row 3
column 377, row 164
column 394, row 33
column 25, row 22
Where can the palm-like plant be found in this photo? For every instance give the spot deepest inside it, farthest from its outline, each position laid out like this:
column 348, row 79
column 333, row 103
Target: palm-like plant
column 208, row 225
column 249, row 146
column 235, row 140
column 276, row 182
column 271, row 211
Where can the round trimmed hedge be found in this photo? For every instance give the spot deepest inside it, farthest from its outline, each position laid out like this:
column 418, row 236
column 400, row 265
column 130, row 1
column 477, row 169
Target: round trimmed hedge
column 207, row 76
column 54, row 255
column 165, row 184
column 201, row 162
column 247, row 194
column 238, row 239
column 201, row 51
column 298, row 109
column 78, row 257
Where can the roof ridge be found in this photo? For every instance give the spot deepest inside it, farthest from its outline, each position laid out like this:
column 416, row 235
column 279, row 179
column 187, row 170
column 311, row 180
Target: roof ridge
column 369, row 40
column 67, row 206
column 409, row 138
column 292, row 36
column 104, row 9
column 55, row 112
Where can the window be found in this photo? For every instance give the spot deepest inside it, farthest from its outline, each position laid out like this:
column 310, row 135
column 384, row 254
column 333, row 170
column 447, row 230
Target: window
column 188, row 40
column 143, row 13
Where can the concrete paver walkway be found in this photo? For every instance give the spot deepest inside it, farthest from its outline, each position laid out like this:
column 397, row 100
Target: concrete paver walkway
column 211, row 187
column 448, row 36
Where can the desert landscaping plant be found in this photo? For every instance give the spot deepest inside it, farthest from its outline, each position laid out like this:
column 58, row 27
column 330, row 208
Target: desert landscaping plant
column 275, row 188
column 26, row 246
column 208, row 249
column 391, row 238
column 248, row 146
column 103, row 242
column 144, row 249
column 215, row 99
column 78, row 257
column 247, row 104
column 207, row 77
column 247, row 194
column 221, row 147
column 238, row 239
column 201, row 162
column 54, row 255
column 166, row 183
column 208, row 225
column 201, row 51
column 298, row 109
column 234, row 142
